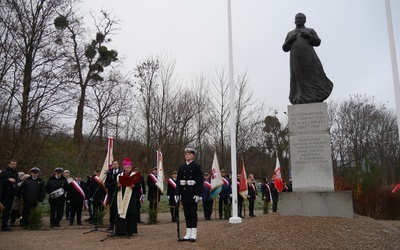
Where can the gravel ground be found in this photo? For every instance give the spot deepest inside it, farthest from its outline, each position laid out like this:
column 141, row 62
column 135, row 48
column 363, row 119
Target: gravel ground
column 269, row 231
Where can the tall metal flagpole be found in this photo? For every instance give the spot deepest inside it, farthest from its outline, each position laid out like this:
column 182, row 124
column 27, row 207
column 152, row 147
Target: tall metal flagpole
column 394, row 61
column 234, row 219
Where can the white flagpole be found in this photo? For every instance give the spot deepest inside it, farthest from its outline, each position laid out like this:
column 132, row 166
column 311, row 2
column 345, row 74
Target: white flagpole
column 394, row 61
column 234, row 219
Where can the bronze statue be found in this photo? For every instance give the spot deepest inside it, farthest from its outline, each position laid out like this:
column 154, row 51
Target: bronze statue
column 308, row 82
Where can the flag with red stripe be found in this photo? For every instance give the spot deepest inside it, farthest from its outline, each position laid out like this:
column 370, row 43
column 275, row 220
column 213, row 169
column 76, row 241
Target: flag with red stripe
column 278, row 182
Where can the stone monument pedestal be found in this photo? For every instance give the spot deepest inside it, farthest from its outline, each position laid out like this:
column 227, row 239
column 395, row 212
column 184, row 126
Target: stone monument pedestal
column 311, row 164
column 328, row 204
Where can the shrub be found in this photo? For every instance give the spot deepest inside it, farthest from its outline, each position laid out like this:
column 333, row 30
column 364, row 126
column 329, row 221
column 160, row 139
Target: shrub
column 36, row 218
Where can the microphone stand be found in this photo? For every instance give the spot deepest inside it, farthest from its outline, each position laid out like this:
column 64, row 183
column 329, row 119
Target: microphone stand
column 95, row 211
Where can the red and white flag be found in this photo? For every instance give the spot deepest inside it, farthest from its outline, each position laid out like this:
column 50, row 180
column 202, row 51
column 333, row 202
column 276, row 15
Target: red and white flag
column 278, row 182
column 160, row 171
column 243, row 191
column 108, row 161
column 396, row 188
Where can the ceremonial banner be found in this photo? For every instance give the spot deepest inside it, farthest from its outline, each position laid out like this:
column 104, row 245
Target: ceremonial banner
column 216, row 178
column 108, row 161
column 160, row 171
column 278, row 182
column 243, row 191
column 396, row 188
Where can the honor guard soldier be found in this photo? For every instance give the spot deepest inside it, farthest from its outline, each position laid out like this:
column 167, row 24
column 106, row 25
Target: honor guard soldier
column 153, row 195
column 55, row 187
column 67, row 176
column 140, row 195
column 224, row 195
column 97, row 191
column 111, row 185
column 171, row 194
column 76, row 198
column 189, row 189
column 206, row 197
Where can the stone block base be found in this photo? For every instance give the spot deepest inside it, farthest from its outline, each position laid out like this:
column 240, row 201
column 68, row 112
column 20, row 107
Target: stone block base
column 328, row 204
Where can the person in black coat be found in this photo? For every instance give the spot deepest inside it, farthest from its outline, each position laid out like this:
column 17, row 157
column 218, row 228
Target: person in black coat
column 240, row 197
column 32, row 191
column 9, row 181
column 126, row 203
column 274, row 195
column 97, row 192
column 56, row 187
column 111, row 185
column 171, row 189
column 76, row 198
column 266, row 194
column 251, row 194
column 189, row 188
column 224, row 195
column 140, row 195
column 154, row 194
column 206, row 197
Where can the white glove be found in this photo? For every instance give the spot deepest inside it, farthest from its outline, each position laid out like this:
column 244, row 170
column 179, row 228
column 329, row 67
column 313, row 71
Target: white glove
column 230, row 196
column 168, row 197
column 143, row 196
column 197, row 198
column 176, row 197
column 218, row 196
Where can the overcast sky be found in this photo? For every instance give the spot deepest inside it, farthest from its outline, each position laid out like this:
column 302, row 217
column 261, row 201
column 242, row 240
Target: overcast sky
column 354, row 50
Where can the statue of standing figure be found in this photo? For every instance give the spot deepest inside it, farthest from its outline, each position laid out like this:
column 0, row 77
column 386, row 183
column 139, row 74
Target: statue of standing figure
column 308, row 82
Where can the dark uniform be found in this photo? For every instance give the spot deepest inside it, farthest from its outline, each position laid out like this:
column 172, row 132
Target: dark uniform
column 111, row 185
column 56, row 203
column 189, row 185
column 274, row 195
column 97, row 193
column 266, row 194
column 171, row 190
column 32, row 191
column 140, row 194
column 10, row 189
column 224, row 196
column 240, row 199
column 251, row 196
column 76, row 200
column 206, row 197
column 153, row 195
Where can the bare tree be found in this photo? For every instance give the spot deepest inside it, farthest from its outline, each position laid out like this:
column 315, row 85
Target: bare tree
column 249, row 115
column 86, row 59
column 147, row 74
column 220, row 97
column 32, row 68
column 364, row 137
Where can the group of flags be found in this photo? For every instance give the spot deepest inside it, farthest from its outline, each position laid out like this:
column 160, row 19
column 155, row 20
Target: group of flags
column 217, row 180
column 243, row 185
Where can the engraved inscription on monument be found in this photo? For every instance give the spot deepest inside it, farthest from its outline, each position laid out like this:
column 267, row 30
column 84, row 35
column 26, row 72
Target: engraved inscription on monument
column 307, row 120
column 311, row 158
column 310, row 150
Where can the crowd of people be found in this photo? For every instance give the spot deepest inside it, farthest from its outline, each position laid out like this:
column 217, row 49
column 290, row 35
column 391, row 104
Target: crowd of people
column 69, row 194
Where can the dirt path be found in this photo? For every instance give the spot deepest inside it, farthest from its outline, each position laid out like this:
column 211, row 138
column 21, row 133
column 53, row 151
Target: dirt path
column 269, row 231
